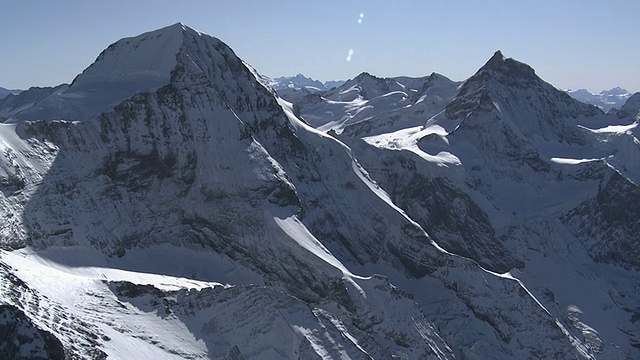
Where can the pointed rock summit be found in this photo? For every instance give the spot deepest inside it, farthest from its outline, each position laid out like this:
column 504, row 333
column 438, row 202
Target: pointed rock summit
column 495, row 60
column 503, row 79
column 507, row 71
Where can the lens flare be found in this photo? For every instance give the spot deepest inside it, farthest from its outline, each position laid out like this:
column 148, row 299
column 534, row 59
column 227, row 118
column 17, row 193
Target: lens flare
column 360, row 18
column 349, row 55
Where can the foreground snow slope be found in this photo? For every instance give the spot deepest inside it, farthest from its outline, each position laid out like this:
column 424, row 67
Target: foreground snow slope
column 183, row 210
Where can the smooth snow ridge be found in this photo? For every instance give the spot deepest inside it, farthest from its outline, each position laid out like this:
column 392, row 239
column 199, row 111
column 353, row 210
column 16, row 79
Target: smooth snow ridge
column 298, row 232
column 127, row 67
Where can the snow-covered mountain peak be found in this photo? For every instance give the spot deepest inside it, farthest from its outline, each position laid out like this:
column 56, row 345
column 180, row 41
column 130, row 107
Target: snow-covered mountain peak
column 435, row 77
column 506, row 110
column 139, row 64
column 149, row 58
column 368, row 86
column 366, row 75
column 615, row 91
column 536, row 185
column 298, row 82
column 295, row 87
column 366, row 78
column 349, row 108
column 501, row 80
column 153, row 51
column 479, row 88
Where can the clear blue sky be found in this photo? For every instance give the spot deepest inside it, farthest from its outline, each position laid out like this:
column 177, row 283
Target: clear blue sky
column 572, row 44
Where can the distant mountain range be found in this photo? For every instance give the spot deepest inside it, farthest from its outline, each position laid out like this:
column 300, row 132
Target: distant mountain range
column 290, row 87
column 21, row 100
column 300, row 82
column 4, row 92
column 606, row 99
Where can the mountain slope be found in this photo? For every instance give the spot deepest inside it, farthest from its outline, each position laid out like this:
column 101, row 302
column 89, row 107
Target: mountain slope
column 514, row 173
column 182, row 154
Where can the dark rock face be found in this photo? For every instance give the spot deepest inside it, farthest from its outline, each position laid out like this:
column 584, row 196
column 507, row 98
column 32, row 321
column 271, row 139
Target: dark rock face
column 631, row 108
column 511, row 92
column 609, row 224
column 448, row 214
column 21, row 339
column 456, row 222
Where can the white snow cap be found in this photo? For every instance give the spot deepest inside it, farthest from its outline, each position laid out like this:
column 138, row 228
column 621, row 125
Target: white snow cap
column 131, row 65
